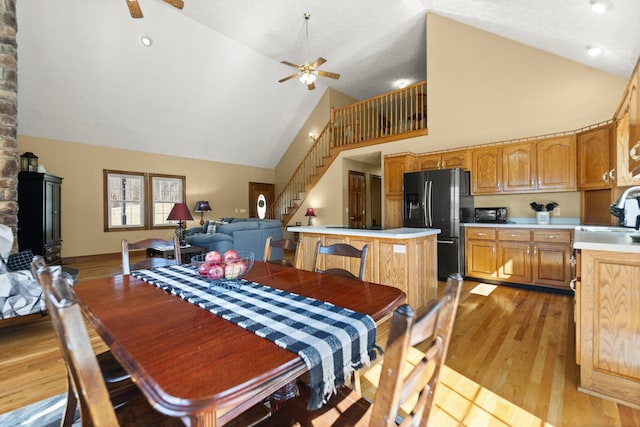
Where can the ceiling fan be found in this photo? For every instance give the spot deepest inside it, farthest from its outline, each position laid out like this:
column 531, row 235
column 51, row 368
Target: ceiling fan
column 308, row 70
column 136, row 12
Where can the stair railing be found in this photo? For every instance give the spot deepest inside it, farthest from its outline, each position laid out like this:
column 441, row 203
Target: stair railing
column 391, row 116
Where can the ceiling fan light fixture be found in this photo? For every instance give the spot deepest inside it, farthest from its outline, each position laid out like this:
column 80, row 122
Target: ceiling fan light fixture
column 600, row 6
column 594, row 51
column 307, row 78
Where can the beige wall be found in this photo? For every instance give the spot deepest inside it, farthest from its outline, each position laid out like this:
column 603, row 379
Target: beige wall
column 225, row 186
column 483, row 89
column 301, row 144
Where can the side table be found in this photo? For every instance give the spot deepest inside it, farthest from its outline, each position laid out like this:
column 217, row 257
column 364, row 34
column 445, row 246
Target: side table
column 186, row 252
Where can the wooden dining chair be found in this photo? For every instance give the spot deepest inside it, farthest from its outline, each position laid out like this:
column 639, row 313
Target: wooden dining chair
column 402, row 382
column 88, row 385
column 149, row 262
column 284, row 245
column 340, row 249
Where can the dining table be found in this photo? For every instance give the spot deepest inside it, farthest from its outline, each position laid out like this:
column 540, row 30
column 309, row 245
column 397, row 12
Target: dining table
column 193, row 364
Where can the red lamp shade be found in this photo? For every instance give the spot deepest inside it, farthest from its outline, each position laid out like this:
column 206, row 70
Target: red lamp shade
column 310, row 213
column 180, row 212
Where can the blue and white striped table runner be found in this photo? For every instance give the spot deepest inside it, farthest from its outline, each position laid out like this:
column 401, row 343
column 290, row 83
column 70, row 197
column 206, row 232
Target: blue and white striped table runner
column 333, row 341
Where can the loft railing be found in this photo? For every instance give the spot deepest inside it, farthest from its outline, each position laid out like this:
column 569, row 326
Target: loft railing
column 395, row 115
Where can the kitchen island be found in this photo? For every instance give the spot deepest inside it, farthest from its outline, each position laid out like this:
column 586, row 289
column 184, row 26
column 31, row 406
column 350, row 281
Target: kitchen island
column 607, row 313
column 405, row 258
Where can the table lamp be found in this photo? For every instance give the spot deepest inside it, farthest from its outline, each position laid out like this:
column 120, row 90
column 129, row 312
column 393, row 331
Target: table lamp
column 310, row 214
column 180, row 212
column 202, row 206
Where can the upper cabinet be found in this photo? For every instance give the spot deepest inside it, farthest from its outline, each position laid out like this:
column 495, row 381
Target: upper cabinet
column 486, row 170
column 394, row 169
column 627, row 134
column 450, row 159
column 595, row 169
column 556, row 158
column 524, row 167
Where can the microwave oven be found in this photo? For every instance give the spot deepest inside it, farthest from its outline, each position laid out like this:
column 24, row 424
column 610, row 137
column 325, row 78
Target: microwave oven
column 498, row 215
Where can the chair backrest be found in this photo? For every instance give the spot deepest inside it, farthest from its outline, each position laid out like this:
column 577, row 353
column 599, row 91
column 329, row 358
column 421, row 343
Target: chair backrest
column 285, row 245
column 75, row 345
column 397, row 385
column 149, row 262
column 340, row 249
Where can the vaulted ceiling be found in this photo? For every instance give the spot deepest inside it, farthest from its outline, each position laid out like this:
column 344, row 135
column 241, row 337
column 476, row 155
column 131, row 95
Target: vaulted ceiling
column 207, row 87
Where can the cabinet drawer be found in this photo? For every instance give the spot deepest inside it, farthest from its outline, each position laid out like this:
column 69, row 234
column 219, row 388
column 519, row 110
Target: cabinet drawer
column 53, row 249
column 552, row 236
column 481, row 233
column 52, row 258
column 514, row 234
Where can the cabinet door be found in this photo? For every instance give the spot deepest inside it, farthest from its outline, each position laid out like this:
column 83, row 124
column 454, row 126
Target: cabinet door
column 557, row 164
column 52, row 217
column 429, row 161
column 457, row 159
column 552, row 265
column 481, row 259
column 594, row 159
column 519, row 167
column 394, row 168
column 393, row 211
column 514, row 262
column 486, row 170
column 623, row 175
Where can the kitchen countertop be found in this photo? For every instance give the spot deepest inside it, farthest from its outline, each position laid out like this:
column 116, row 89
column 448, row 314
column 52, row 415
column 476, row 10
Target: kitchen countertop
column 393, row 233
column 614, row 239
column 520, row 225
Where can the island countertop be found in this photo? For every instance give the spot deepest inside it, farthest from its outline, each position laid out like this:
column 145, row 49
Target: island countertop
column 614, row 239
column 392, row 233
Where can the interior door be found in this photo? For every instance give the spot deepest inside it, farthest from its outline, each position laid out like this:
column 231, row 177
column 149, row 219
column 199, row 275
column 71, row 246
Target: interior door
column 357, row 200
column 255, row 189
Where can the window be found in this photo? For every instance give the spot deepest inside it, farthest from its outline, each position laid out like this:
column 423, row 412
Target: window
column 137, row 201
column 166, row 192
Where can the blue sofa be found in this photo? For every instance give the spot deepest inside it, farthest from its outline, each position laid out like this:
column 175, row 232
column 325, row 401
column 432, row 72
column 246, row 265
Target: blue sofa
column 241, row 234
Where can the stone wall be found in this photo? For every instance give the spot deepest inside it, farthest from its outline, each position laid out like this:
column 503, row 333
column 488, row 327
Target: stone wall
column 9, row 164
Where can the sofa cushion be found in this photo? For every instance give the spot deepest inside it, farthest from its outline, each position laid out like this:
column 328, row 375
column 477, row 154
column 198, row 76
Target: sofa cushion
column 238, row 226
column 270, row 223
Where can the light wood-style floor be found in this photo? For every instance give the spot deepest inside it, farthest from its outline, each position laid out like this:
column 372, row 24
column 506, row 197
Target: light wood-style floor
column 511, row 362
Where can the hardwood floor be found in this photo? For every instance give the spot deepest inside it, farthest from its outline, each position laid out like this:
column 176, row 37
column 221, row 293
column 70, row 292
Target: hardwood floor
column 511, row 362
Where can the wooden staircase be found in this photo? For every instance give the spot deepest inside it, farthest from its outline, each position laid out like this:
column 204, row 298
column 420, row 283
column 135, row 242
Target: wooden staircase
column 392, row 116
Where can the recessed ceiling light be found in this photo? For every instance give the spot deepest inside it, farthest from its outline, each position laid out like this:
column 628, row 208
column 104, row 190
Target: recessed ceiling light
column 600, row 6
column 146, row 41
column 594, row 51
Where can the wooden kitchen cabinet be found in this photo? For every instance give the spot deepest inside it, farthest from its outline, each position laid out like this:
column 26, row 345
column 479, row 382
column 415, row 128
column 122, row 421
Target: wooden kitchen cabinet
column 530, row 256
column 394, row 169
column 514, row 255
column 552, row 257
column 595, row 170
column 610, row 325
column 556, row 169
column 519, row 167
column 525, row 167
column 450, row 159
column 486, row 170
column 480, row 252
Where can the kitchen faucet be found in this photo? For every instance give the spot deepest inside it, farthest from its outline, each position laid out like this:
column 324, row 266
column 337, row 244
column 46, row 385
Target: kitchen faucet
column 617, row 209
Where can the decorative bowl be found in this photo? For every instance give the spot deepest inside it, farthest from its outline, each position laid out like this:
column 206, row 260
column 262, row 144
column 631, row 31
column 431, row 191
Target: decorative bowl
column 231, row 269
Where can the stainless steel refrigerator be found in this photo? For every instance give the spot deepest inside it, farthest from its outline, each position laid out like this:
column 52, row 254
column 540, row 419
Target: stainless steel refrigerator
column 440, row 199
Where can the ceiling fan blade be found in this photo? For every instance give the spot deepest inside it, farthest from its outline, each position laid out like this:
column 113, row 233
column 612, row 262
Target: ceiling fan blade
column 318, row 62
column 290, row 64
column 311, row 86
column 328, row 74
column 288, row 77
column 134, row 8
column 175, row 3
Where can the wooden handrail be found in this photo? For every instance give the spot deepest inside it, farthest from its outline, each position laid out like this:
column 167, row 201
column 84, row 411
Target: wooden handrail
column 387, row 117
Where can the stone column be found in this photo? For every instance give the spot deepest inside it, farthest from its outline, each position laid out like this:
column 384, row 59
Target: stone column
column 9, row 164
